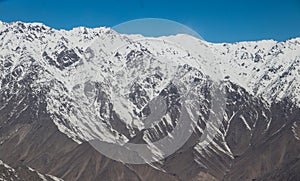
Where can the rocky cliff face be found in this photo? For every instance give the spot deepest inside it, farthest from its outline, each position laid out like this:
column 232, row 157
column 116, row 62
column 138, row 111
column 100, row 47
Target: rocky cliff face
column 62, row 90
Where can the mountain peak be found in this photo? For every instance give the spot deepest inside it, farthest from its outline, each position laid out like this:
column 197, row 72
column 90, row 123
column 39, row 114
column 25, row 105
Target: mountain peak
column 67, row 87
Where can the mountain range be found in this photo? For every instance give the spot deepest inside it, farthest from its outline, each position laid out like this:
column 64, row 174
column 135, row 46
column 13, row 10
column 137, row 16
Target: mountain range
column 70, row 101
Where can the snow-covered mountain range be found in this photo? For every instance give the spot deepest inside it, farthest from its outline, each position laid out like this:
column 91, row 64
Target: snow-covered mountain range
column 99, row 84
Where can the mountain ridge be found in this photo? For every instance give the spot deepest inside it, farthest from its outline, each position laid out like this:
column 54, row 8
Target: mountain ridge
column 96, row 83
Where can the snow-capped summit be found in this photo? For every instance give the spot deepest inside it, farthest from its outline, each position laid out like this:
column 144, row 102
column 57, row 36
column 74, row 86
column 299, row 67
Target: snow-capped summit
column 95, row 83
column 67, row 62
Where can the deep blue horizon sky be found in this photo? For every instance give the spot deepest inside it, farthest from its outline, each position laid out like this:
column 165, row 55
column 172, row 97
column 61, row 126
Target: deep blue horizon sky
column 214, row 20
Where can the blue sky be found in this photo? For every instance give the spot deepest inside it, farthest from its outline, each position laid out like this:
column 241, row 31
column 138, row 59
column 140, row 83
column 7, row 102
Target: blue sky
column 214, row 20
